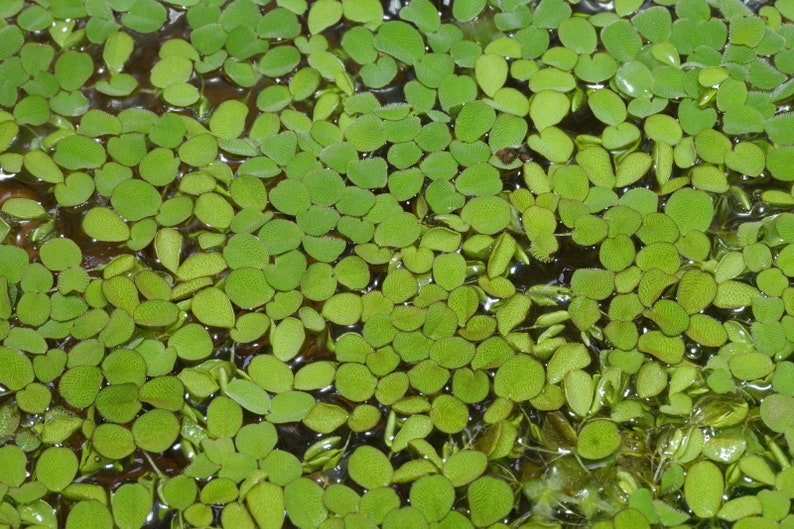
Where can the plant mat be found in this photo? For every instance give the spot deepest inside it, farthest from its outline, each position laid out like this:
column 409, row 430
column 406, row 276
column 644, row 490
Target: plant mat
column 353, row 264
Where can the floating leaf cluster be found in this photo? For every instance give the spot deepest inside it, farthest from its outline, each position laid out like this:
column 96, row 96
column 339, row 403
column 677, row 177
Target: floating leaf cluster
column 341, row 264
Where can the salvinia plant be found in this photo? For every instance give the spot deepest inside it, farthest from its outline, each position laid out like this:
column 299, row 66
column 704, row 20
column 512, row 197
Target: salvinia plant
column 356, row 264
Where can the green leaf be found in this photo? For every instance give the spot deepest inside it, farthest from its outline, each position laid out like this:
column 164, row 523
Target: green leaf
column 363, row 11
column 145, row 16
column 369, row 467
column 423, row 14
column 78, row 152
column 156, row 313
column 212, row 307
column 73, row 69
column 579, row 35
column 634, row 79
column 366, row 133
column 490, row 500
column 599, row 67
column 621, row 40
column 487, row 214
column 553, row 144
column 12, row 470
column 249, row 396
column 199, row 150
column 181, row 94
column 13, row 38
column 400, row 40
column 156, row 430
column 455, row 90
column 18, row 370
column 228, row 120
column 119, row 85
column 8, row 131
column 171, row 70
column 35, row 18
column 661, row 127
column 776, row 412
column 703, row 488
column 265, row 502
column 654, row 23
column 191, row 342
column 593, row 283
column 131, row 504
column 397, row 231
column 23, row 209
column 548, row 108
column 466, row 10
column 287, row 338
column 449, row 414
column 693, row 119
column 669, row 349
column 32, row 110
column 551, row 13
column 519, row 378
column 303, row 500
column 491, row 73
column 105, row 225
column 745, row 158
column 56, row 468
column 324, row 14
column 779, row 128
column 355, row 382
column 89, row 513
column 135, row 199
column 598, row 439
column 607, row 106
column 551, row 79
column 779, row 163
column 746, row 30
column 224, row 417
column 690, row 209
column 117, row 50
column 696, row 291
column 119, row 402
column 113, row 441
column 165, row 392
column 474, row 120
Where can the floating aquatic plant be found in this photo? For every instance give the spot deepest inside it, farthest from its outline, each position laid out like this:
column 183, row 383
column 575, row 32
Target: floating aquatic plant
column 336, row 264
